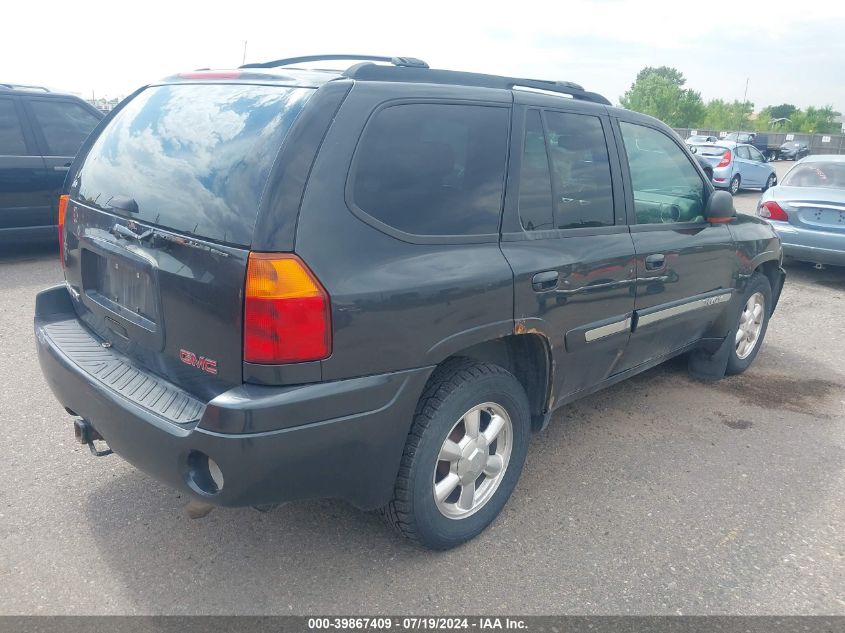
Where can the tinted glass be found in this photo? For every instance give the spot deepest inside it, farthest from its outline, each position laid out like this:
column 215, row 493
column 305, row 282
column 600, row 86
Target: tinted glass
column 433, row 169
column 195, row 158
column 535, row 182
column 580, row 171
column 742, row 152
column 65, row 125
column 667, row 187
column 11, row 134
column 830, row 175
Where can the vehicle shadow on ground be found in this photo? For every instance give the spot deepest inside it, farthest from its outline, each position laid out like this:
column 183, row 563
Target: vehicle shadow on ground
column 592, row 481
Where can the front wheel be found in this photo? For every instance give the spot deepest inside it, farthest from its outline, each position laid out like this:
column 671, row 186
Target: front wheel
column 463, row 456
column 735, row 185
column 751, row 324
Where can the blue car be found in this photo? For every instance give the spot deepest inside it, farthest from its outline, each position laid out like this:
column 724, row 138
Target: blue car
column 737, row 166
column 808, row 210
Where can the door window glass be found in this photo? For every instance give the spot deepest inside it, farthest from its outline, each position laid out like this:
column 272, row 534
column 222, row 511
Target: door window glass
column 756, row 155
column 535, row 183
column 667, row 188
column 65, row 125
column 11, row 133
column 742, row 152
column 580, row 170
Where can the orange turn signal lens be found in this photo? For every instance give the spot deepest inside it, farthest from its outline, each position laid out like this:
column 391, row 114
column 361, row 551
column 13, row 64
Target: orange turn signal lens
column 63, row 200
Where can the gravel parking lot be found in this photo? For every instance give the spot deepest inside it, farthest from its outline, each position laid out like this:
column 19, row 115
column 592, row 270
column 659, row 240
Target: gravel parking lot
column 659, row 495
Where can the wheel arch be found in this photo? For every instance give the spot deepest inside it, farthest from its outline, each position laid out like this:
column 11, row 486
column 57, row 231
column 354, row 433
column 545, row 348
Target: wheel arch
column 528, row 357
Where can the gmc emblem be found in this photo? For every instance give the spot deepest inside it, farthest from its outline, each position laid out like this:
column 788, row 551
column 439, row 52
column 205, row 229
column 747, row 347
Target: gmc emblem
column 202, row 363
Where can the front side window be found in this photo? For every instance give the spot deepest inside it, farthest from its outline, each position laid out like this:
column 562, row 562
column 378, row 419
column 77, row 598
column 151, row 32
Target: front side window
column 433, row 169
column 65, row 125
column 667, row 188
column 11, row 134
column 756, row 155
column 580, row 171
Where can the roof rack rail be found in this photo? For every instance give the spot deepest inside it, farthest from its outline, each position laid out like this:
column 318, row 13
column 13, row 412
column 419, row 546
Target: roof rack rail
column 8, row 86
column 409, row 62
column 425, row 75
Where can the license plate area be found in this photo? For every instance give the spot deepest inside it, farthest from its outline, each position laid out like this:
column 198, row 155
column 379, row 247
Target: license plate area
column 121, row 286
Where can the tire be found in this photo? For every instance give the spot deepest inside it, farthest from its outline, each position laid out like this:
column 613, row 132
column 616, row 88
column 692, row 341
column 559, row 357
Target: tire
column 741, row 357
column 734, row 186
column 771, row 181
column 455, row 390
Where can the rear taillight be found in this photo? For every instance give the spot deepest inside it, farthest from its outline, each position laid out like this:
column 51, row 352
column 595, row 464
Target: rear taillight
column 62, row 210
column 771, row 210
column 287, row 314
column 726, row 159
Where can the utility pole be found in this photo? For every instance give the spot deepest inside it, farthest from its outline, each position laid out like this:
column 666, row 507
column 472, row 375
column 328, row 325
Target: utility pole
column 244, row 58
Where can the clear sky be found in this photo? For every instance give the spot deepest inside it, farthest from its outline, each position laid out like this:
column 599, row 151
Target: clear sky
column 790, row 51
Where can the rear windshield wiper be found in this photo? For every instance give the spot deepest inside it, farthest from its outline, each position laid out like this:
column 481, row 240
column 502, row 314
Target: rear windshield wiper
column 120, row 230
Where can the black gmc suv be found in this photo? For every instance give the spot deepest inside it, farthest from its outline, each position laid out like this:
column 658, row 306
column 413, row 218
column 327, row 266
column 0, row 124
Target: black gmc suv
column 40, row 132
column 373, row 284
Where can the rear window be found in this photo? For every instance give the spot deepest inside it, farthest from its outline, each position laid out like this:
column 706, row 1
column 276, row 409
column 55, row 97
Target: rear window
column 195, row 158
column 829, row 175
column 710, row 150
column 433, row 169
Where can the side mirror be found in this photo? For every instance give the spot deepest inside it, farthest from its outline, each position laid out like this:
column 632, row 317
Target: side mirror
column 720, row 208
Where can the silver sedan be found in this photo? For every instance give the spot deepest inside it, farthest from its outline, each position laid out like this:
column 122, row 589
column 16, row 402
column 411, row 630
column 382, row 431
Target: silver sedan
column 807, row 209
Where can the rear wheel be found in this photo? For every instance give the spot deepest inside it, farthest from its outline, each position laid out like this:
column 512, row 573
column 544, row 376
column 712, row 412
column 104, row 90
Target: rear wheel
column 463, row 455
column 751, row 324
column 735, row 181
column 770, row 182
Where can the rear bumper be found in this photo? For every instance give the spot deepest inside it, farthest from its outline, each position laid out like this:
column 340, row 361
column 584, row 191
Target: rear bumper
column 819, row 247
column 341, row 439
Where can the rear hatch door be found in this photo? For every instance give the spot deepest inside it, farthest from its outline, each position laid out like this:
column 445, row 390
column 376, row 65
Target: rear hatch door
column 161, row 219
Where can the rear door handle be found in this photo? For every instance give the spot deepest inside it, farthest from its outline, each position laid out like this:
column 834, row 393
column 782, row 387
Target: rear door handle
column 544, row 281
column 61, row 167
column 655, row 262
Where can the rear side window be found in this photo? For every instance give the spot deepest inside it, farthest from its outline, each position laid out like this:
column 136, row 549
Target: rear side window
column 580, row 171
column 742, row 152
column 11, row 134
column 433, row 169
column 535, row 182
column 65, row 125
column 194, row 157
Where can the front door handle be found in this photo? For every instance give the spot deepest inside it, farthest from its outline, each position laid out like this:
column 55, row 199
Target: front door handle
column 655, row 262
column 547, row 280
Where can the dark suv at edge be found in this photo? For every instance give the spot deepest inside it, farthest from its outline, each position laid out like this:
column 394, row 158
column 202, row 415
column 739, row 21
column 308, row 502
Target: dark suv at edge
column 40, row 132
column 374, row 284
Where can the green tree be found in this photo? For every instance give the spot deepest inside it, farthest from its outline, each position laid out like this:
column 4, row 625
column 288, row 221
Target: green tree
column 782, row 111
column 815, row 120
column 658, row 92
column 727, row 115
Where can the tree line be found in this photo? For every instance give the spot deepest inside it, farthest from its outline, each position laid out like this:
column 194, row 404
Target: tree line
column 660, row 92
